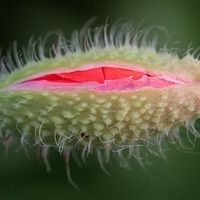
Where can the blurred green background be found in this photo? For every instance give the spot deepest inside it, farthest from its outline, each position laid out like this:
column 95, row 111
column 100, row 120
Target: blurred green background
column 24, row 179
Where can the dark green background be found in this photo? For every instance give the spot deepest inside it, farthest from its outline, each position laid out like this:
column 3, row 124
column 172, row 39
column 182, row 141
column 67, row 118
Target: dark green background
column 23, row 179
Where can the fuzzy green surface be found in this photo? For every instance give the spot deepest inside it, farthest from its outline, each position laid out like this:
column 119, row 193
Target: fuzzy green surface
column 101, row 118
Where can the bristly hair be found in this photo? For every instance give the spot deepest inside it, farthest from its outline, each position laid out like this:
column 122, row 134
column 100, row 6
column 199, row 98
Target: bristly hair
column 118, row 35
